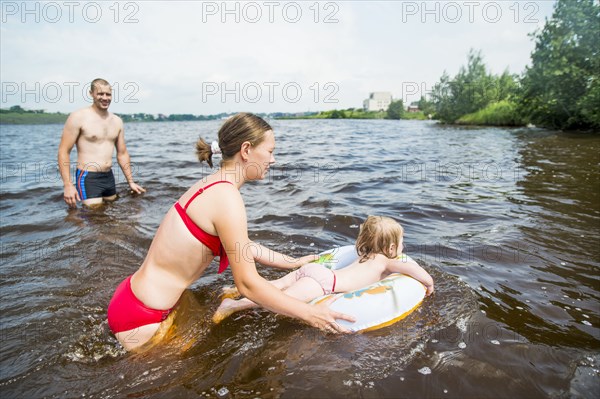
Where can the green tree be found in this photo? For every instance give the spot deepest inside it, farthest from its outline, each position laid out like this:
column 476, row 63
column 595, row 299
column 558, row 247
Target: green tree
column 469, row 91
column 472, row 89
column 507, row 86
column 471, row 86
column 395, row 110
column 17, row 109
column 426, row 106
column 442, row 98
column 337, row 114
column 561, row 89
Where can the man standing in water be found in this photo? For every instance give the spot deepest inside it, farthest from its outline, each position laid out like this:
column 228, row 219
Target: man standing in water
column 95, row 131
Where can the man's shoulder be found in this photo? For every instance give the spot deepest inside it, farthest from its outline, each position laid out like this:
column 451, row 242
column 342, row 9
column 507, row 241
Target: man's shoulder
column 77, row 118
column 114, row 118
column 89, row 113
column 80, row 113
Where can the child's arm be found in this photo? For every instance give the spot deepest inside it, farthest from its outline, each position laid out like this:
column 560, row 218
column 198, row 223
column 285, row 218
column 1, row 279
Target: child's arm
column 268, row 257
column 412, row 269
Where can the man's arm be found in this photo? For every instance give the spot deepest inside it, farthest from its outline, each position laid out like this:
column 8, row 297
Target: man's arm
column 124, row 160
column 67, row 141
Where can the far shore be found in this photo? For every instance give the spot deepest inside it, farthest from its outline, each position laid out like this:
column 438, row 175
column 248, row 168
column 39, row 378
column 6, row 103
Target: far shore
column 26, row 117
column 44, row 118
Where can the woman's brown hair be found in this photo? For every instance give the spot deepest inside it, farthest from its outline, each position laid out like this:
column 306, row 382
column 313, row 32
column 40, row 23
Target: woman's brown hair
column 235, row 131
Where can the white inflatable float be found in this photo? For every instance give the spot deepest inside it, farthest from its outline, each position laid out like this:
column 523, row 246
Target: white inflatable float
column 377, row 305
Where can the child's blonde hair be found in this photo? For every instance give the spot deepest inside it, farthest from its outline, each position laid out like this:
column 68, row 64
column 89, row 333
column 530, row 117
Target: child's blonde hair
column 376, row 236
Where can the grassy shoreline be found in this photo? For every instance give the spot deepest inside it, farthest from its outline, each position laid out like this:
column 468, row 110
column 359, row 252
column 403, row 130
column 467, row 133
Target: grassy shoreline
column 30, row 118
column 501, row 113
column 25, row 117
column 42, row 118
column 353, row 114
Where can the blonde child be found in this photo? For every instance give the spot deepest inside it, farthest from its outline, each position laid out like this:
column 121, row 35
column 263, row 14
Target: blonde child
column 379, row 244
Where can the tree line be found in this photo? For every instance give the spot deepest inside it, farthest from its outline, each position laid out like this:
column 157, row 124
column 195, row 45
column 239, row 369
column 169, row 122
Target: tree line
column 560, row 90
column 18, row 115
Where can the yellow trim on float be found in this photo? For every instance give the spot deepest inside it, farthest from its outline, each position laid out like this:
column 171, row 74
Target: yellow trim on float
column 389, row 323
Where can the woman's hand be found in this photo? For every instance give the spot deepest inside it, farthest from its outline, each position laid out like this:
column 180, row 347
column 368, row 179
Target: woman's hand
column 324, row 318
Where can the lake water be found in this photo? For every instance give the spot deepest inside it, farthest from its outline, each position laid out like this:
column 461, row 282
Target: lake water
column 505, row 220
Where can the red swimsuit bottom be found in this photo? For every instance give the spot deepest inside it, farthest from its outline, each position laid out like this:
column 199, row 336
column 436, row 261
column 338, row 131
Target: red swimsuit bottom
column 126, row 311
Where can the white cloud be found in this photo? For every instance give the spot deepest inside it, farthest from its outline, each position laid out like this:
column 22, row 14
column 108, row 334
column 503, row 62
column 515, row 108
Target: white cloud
column 175, row 49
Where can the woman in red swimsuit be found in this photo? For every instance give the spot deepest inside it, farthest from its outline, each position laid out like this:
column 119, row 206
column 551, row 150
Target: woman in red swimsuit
column 210, row 220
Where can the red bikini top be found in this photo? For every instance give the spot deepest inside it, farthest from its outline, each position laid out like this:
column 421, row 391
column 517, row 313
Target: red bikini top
column 212, row 242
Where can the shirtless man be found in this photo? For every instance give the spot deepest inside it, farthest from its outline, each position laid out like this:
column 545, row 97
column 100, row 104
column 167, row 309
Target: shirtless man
column 96, row 132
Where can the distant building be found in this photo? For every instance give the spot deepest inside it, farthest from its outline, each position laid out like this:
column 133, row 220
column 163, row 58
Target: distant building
column 378, row 101
column 413, row 108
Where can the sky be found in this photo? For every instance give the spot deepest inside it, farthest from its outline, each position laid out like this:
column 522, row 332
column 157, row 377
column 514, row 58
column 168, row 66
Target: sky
column 209, row 57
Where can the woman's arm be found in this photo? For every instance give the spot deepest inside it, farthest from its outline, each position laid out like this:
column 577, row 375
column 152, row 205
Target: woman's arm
column 268, row 257
column 232, row 229
column 412, row 269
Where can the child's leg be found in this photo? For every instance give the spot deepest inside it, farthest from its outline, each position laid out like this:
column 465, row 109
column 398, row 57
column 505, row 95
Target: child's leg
column 230, row 306
column 285, row 281
column 229, row 291
column 304, row 289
